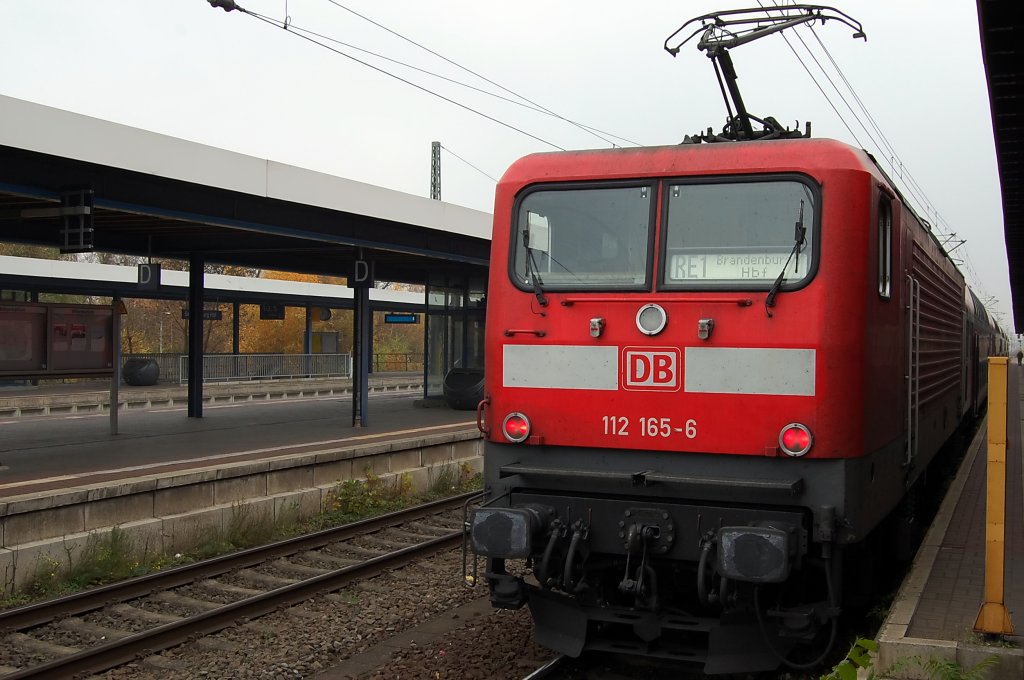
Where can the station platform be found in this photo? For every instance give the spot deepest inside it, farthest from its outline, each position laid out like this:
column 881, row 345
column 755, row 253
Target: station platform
column 933, row 615
column 259, row 454
column 56, row 436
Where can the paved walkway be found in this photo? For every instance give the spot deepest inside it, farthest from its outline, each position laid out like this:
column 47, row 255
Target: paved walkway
column 242, row 421
column 934, row 613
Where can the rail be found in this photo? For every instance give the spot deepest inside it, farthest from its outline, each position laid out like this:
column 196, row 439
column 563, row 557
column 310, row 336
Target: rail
column 111, row 653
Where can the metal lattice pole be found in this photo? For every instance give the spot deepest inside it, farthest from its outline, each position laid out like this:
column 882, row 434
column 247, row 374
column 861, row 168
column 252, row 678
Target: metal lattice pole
column 435, row 170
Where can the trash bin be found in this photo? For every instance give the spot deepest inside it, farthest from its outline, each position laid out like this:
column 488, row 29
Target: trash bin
column 464, row 388
column 140, row 372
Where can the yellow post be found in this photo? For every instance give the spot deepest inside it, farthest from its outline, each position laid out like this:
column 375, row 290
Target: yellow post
column 993, row 617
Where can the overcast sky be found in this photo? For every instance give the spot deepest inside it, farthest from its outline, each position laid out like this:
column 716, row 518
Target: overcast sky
column 183, row 68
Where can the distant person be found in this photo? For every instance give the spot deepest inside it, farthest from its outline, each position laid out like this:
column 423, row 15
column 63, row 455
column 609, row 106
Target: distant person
column 1020, row 355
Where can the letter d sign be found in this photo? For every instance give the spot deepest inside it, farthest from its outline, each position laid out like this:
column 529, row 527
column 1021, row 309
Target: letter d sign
column 361, row 274
column 149, row 277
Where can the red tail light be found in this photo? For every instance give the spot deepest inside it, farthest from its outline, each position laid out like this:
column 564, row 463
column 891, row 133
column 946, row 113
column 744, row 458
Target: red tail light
column 516, row 427
column 795, row 440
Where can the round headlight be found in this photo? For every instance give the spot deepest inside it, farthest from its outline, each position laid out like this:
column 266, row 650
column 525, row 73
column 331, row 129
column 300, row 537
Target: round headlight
column 795, row 440
column 651, row 319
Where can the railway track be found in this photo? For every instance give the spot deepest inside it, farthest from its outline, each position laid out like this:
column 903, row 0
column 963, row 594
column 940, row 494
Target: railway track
column 168, row 608
column 551, row 669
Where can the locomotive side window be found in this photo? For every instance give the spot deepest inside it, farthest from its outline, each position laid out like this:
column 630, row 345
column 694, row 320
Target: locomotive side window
column 739, row 234
column 885, row 247
column 584, row 238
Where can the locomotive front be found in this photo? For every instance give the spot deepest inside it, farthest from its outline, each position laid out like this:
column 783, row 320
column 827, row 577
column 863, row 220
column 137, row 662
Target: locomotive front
column 664, row 462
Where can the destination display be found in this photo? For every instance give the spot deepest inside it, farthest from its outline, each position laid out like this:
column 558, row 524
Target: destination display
column 748, row 266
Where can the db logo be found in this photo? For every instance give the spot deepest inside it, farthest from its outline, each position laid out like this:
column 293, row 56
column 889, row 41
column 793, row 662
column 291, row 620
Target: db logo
column 651, row 368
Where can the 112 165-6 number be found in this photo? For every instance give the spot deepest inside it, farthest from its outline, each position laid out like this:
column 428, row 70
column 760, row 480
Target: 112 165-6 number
column 619, row 426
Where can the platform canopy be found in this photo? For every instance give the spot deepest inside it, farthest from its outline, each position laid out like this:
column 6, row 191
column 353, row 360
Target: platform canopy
column 1002, row 37
column 144, row 193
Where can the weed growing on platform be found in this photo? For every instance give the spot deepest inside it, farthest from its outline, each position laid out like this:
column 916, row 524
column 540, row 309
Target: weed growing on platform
column 355, row 499
column 48, row 579
column 985, row 640
column 246, row 528
column 110, row 557
column 106, row 558
column 454, row 479
column 857, row 658
column 944, row 669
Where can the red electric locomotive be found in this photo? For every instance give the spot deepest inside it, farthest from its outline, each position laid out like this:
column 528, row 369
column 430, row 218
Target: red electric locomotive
column 712, row 369
column 696, row 356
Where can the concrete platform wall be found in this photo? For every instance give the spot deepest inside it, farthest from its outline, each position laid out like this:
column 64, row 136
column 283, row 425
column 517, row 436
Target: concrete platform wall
column 169, row 513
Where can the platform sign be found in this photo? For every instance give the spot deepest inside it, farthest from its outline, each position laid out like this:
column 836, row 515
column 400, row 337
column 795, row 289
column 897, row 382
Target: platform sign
column 401, row 317
column 149, row 277
column 360, row 274
column 208, row 314
column 271, row 311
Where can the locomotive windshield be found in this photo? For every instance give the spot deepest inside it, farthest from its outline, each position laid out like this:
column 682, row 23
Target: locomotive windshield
column 582, row 238
column 738, row 234
column 729, row 234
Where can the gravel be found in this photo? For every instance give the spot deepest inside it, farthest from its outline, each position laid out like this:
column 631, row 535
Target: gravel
column 417, row 622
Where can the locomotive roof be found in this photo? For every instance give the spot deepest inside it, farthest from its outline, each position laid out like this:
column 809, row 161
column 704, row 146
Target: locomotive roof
column 791, row 155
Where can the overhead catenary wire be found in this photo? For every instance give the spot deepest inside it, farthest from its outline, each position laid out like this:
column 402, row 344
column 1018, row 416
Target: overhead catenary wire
column 818, row 85
column 585, row 128
column 293, row 27
column 493, row 179
column 888, row 152
column 316, row 38
column 939, row 224
column 912, row 187
column 944, row 231
column 398, row 62
column 891, row 155
column 280, row 24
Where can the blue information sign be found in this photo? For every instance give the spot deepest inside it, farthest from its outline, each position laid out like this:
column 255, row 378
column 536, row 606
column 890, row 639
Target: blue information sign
column 401, row 317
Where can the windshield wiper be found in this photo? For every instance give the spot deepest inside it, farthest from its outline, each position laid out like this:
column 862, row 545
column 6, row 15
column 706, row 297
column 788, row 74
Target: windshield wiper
column 531, row 271
column 799, row 238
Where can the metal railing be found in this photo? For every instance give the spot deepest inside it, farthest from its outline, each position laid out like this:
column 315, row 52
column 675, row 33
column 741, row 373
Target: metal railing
column 395, row 362
column 267, row 366
column 228, row 367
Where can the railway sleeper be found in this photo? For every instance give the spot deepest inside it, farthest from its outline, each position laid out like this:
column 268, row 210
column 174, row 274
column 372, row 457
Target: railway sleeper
column 96, row 631
column 44, row 648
